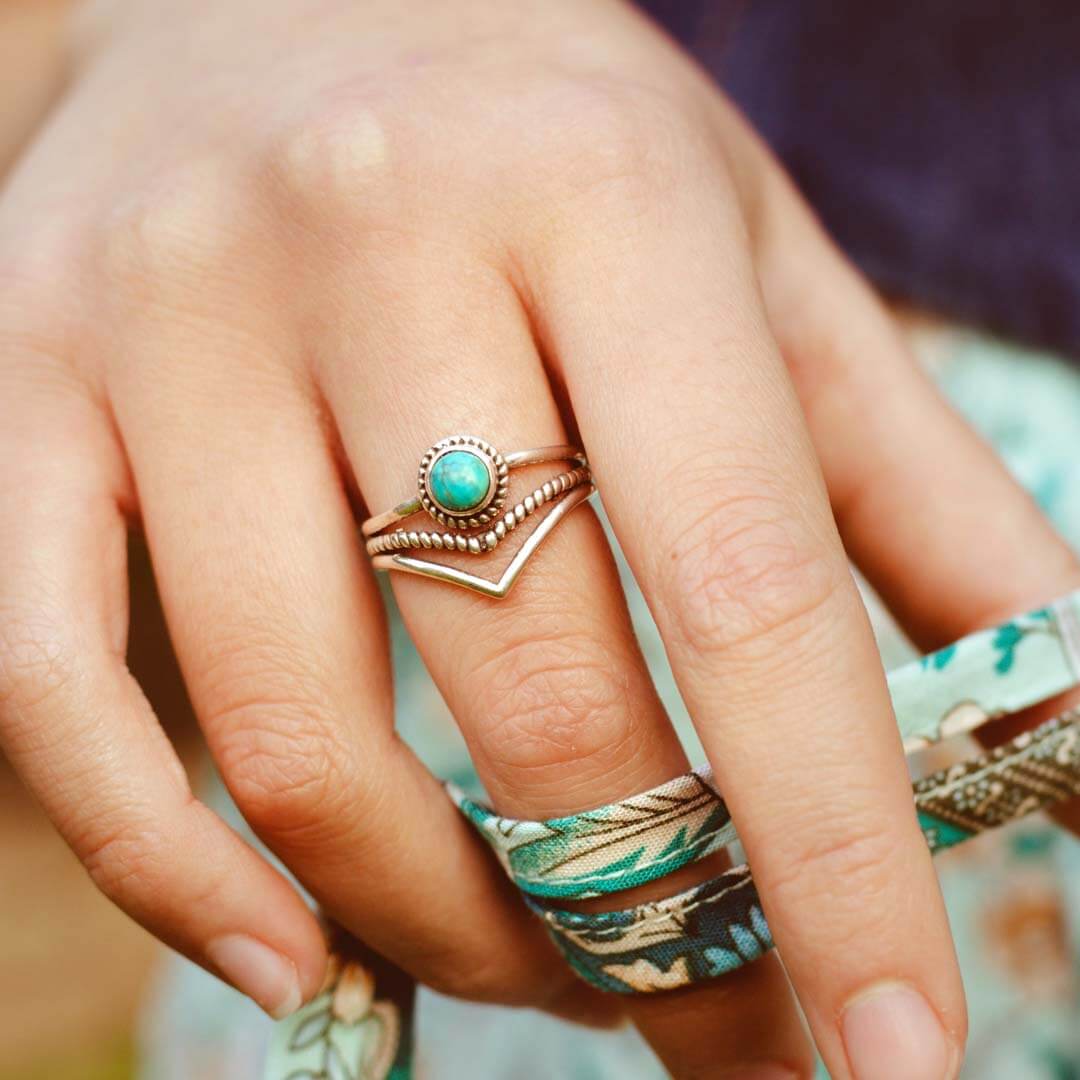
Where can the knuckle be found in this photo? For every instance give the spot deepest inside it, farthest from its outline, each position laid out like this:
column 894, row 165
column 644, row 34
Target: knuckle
column 550, row 700
column 37, row 286
column 278, row 741
column 627, row 144
column 745, row 570
column 842, row 865
column 189, row 227
column 136, row 854
column 128, row 863
column 334, row 163
column 41, row 301
column 281, row 766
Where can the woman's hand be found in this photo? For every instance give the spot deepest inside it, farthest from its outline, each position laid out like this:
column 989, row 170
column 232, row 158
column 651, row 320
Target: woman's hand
column 260, row 257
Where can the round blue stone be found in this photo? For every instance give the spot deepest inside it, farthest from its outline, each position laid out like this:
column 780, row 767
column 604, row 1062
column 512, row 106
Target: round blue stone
column 459, row 481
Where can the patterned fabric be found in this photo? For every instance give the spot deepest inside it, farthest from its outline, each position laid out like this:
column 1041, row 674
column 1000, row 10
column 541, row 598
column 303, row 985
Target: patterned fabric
column 1034, row 771
column 612, row 848
column 699, row 934
column 716, row 927
column 962, row 686
column 1013, row 895
column 359, row 1027
column 647, row 836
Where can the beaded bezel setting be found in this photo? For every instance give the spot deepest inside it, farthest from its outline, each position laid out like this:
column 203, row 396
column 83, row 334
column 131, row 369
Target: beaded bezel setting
column 475, row 514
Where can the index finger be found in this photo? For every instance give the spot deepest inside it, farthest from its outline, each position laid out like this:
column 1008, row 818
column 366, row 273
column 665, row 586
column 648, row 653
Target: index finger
column 712, row 485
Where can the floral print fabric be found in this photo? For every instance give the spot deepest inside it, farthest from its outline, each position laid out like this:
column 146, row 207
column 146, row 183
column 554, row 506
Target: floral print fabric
column 994, row 672
column 1013, row 896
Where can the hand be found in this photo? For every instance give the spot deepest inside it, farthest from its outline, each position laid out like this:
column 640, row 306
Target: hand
column 259, row 258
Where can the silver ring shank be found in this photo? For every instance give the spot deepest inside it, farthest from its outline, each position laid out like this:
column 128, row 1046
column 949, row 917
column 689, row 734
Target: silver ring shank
column 494, row 589
column 537, row 456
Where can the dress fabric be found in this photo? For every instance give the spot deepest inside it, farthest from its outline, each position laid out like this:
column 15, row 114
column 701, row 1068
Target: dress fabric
column 1013, row 895
column 938, row 143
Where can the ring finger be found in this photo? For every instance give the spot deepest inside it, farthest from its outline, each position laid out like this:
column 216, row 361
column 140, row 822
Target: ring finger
column 548, row 684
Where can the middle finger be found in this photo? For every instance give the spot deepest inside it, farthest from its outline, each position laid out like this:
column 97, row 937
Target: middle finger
column 740, row 558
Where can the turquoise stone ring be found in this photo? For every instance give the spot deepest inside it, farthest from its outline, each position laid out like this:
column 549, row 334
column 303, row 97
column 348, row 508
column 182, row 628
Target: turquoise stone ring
column 463, row 483
column 459, row 481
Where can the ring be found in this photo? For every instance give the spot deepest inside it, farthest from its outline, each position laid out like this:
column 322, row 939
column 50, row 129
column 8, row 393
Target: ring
column 1025, row 661
column 714, row 927
column 463, row 485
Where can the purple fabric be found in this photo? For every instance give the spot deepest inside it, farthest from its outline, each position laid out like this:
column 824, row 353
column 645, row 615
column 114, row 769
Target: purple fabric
column 938, row 139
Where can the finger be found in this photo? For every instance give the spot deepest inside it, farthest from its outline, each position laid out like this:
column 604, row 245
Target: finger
column 713, row 489
column 279, row 630
column 548, row 684
column 79, row 731
column 947, row 537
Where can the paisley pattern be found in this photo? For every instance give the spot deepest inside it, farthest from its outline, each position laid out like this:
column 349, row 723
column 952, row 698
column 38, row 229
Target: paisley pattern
column 699, row 934
column 1023, row 662
column 1037, row 769
column 716, row 927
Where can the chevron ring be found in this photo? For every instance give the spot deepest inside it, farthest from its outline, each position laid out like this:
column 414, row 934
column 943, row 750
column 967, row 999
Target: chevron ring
column 463, row 484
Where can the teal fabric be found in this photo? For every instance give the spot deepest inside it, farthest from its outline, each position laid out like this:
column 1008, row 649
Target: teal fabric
column 359, row 1027
column 713, row 928
column 1027, row 660
column 1013, row 896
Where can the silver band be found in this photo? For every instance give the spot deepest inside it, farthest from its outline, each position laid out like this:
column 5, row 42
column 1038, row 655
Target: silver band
column 475, row 527
column 539, row 456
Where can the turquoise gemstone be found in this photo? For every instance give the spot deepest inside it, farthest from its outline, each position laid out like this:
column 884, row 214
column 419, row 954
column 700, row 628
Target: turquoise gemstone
column 459, row 481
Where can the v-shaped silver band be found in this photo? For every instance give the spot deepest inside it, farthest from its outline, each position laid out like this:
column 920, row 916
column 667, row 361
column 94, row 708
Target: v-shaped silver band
column 495, row 589
column 472, row 506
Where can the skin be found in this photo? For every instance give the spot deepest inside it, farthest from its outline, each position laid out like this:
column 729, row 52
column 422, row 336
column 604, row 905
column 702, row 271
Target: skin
column 261, row 256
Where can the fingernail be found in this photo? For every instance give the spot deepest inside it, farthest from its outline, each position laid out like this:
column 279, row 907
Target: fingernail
column 891, row 1033
column 267, row 977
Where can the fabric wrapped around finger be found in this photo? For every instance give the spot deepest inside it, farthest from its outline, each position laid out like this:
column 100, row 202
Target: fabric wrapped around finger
column 719, row 925
column 715, row 927
column 1023, row 662
column 363, row 1014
